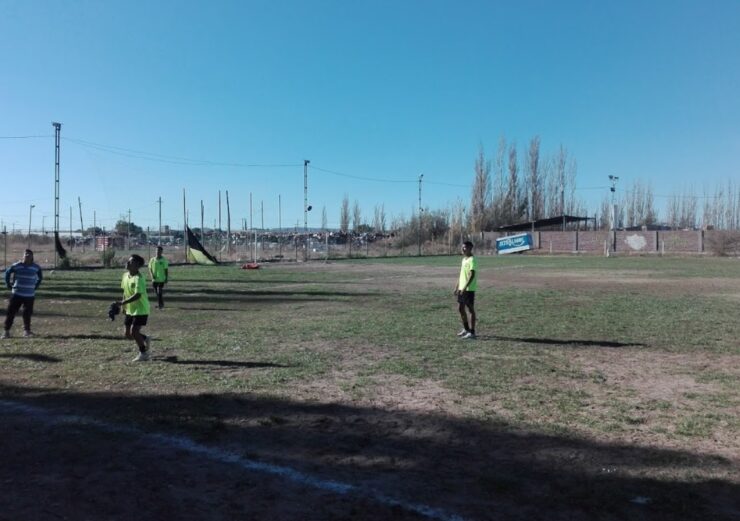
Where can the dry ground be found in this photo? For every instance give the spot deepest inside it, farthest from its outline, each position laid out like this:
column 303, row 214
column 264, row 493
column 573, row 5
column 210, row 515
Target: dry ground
column 420, row 440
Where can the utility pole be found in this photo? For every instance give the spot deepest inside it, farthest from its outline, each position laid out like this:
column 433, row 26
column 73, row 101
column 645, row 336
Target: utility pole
column 57, row 139
column 30, row 213
column 228, row 225
column 306, row 207
column 280, row 224
column 95, row 231
column 418, row 234
column 128, row 231
column 219, row 225
column 159, row 240
column 82, row 226
column 562, row 201
column 202, row 230
column 613, row 190
column 184, row 225
column 5, row 247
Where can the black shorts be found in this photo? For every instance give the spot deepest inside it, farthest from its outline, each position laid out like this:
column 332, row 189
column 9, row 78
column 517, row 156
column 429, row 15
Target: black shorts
column 135, row 320
column 466, row 298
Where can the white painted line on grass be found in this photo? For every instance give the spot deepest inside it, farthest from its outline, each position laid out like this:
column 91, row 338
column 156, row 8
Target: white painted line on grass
column 188, row 445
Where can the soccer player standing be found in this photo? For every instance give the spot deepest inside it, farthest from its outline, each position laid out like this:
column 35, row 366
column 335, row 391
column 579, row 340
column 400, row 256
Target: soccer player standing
column 23, row 278
column 159, row 270
column 136, row 305
column 467, row 283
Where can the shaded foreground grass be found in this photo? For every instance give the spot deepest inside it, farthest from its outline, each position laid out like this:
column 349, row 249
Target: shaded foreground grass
column 576, row 399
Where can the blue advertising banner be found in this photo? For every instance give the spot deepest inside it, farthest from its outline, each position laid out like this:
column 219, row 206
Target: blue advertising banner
column 514, row 243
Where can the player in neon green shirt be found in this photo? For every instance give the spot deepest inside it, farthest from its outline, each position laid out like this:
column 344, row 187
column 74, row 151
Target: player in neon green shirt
column 159, row 270
column 467, row 283
column 135, row 304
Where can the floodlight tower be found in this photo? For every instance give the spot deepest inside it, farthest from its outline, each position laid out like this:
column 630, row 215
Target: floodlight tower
column 306, row 207
column 418, row 232
column 613, row 190
column 57, row 134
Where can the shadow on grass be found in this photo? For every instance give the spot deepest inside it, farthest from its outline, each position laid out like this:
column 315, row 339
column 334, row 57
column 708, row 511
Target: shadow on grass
column 215, row 295
column 554, row 341
column 34, row 357
column 221, row 363
column 92, row 336
column 470, row 468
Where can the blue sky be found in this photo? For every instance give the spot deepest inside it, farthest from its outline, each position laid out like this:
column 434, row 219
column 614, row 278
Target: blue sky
column 381, row 90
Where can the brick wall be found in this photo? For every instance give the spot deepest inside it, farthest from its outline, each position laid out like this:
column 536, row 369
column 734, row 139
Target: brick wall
column 633, row 242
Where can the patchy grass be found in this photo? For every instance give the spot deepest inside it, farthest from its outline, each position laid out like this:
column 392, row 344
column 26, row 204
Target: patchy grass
column 614, row 353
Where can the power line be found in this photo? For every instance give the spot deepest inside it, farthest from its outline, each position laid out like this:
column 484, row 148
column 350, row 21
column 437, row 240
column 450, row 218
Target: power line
column 362, row 178
column 162, row 158
column 24, row 137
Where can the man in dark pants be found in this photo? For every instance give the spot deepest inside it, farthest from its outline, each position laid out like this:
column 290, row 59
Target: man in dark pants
column 159, row 270
column 467, row 283
column 23, row 278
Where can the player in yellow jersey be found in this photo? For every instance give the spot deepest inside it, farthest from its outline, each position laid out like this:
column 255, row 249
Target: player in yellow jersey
column 135, row 304
column 159, row 270
column 467, row 283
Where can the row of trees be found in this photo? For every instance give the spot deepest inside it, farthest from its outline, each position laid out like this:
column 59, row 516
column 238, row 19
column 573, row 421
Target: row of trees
column 517, row 186
column 718, row 209
column 504, row 192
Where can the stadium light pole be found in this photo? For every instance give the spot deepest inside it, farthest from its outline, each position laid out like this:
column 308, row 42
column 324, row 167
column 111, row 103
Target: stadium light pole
column 613, row 190
column 418, row 232
column 306, row 206
column 30, row 213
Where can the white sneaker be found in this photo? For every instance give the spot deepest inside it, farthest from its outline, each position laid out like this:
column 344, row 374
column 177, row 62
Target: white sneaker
column 142, row 357
column 462, row 332
column 27, row 333
column 469, row 336
column 6, row 334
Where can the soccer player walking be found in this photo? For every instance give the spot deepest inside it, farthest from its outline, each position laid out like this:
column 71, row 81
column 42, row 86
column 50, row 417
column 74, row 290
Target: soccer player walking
column 159, row 270
column 135, row 304
column 23, row 278
column 467, row 283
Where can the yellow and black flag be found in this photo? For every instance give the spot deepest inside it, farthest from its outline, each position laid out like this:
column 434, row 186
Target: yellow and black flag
column 196, row 252
column 58, row 245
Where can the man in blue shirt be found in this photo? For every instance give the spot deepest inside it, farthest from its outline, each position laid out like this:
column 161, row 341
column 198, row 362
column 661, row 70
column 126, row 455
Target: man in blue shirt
column 23, row 278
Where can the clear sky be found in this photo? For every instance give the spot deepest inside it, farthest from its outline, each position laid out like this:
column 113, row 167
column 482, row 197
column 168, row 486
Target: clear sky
column 379, row 91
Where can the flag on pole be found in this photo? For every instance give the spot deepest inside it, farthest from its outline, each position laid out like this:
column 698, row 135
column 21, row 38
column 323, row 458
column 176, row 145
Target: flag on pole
column 195, row 250
column 58, row 245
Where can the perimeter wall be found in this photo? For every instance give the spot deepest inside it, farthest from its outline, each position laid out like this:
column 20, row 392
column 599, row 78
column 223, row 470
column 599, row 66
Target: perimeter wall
column 627, row 242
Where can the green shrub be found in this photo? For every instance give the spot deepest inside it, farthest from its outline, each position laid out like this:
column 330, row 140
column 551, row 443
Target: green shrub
column 107, row 257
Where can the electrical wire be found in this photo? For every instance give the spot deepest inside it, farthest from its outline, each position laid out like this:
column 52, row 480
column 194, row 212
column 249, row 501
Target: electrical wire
column 176, row 160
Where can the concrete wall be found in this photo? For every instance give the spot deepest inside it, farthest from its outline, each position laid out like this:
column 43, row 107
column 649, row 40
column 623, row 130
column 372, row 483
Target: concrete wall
column 621, row 242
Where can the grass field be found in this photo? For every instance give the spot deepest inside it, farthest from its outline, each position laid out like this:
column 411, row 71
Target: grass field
column 598, row 389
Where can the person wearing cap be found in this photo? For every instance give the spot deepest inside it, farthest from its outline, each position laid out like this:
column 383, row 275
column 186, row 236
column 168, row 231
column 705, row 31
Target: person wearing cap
column 23, row 278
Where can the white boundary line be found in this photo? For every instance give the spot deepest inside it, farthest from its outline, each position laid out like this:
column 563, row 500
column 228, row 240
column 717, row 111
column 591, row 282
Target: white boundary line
column 188, row 445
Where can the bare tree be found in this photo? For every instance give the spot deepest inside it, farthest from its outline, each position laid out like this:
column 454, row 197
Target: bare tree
column 356, row 216
column 513, row 203
column 481, row 196
column 605, row 217
column 344, row 214
column 498, row 195
column 379, row 218
column 534, row 183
